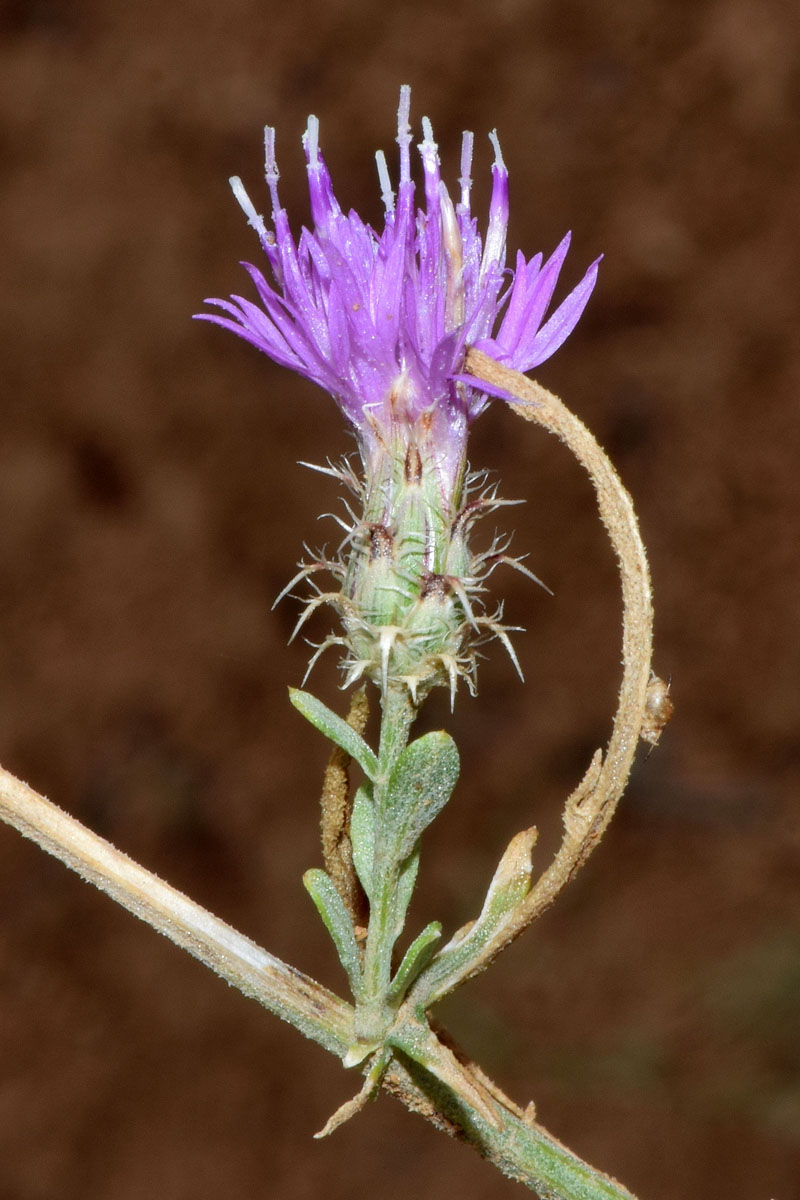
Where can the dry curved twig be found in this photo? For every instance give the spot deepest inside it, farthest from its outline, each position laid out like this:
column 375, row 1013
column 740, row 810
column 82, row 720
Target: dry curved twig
column 590, row 807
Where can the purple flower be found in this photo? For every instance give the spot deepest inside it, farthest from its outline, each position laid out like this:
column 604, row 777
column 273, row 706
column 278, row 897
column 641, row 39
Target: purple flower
column 383, row 320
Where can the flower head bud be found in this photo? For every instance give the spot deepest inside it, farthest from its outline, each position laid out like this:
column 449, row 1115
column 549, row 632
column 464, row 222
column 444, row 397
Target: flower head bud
column 383, row 320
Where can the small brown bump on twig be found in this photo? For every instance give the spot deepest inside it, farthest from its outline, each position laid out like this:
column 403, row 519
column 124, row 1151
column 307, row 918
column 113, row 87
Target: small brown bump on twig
column 658, row 710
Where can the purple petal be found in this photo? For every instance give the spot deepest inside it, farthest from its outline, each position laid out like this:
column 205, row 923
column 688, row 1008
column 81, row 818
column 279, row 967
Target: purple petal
column 561, row 324
column 352, row 308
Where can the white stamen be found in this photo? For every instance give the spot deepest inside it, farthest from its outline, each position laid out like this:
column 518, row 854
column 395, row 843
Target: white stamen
column 427, row 133
column 466, row 167
column 387, row 195
column 254, row 219
column 498, row 154
column 271, row 172
column 311, row 141
column 404, row 133
column 429, row 150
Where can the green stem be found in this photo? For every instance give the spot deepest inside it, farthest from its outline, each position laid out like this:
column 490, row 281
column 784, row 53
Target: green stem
column 501, row 1132
column 398, row 713
column 521, row 1149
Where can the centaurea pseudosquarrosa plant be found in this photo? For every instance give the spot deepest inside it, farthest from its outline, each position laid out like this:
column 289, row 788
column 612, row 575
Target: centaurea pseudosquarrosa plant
column 411, row 330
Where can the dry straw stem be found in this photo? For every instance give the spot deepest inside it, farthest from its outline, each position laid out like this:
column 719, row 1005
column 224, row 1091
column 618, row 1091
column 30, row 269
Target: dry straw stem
column 591, row 806
column 312, row 1009
column 336, row 806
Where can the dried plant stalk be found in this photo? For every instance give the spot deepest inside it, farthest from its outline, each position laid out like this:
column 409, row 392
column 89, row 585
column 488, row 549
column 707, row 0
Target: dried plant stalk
column 336, row 807
column 294, row 997
column 591, row 806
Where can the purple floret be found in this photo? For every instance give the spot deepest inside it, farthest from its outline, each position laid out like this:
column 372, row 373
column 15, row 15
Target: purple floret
column 383, row 320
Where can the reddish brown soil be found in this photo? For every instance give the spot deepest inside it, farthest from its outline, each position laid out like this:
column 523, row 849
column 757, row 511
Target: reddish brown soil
column 151, row 510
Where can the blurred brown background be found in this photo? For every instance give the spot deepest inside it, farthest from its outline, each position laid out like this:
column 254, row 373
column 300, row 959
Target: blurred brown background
column 151, row 508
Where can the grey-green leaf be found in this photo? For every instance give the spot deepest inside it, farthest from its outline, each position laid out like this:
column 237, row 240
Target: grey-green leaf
column 362, row 836
column 337, row 921
column 464, row 953
column 419, row 787
column 417, row 956
column 336, row 728
column 404, row 890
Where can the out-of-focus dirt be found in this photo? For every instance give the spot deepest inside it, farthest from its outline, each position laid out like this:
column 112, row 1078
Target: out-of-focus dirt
column 151, row 508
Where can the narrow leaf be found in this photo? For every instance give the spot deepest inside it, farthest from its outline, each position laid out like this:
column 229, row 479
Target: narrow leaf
column 362, row 836
column 417, row 956
column 329, row 904
column 404, row 890
column 464, row 954
column 336, row 728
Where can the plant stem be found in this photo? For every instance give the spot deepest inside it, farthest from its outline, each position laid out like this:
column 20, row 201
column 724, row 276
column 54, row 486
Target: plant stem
column 311, row 1008
column 502, row 1132
column 398, row 714
column 591, row 806
column 523, row 1151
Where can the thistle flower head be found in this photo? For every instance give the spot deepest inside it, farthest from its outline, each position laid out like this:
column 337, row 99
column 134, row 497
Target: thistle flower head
column 383, row 320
